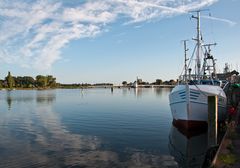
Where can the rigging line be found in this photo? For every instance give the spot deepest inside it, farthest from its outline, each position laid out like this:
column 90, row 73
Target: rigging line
column 190, row 60
column 203, row 55
column 204, row 92
column 192, row 56
column 182, row 71
column 200, row 90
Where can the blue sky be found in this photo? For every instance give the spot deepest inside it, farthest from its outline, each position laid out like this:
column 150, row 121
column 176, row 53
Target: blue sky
column 90, row 41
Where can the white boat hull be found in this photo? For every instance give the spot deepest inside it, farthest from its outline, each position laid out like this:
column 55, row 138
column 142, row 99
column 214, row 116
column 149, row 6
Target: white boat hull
column 190, row 102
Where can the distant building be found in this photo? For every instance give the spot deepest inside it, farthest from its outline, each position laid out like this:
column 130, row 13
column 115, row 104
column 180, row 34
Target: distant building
column 229, row 76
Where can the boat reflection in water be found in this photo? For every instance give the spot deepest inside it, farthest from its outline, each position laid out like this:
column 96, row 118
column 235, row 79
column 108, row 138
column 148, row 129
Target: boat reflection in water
column 188, row 148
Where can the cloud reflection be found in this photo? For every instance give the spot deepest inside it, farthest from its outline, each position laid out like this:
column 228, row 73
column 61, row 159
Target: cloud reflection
column 37, row 137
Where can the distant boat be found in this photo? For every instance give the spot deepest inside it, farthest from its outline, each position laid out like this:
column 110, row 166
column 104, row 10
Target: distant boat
column 135, row 84
column 189, row 99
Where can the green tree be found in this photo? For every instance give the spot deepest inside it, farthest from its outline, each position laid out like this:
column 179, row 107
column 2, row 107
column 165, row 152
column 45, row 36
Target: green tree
column 51, row 81
column 41, row 81
column 159, row 81
column 28, row 81
column 10, row 80
column 24, row 82
column 1, row 84
column 172, row 82
column 124, row 83
column 18, row 81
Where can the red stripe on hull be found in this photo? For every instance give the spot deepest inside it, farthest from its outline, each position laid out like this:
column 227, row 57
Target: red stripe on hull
column 190, row 128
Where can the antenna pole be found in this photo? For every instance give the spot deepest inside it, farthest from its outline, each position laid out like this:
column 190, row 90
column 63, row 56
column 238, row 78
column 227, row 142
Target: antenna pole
column 198, row 44
column 185, row 60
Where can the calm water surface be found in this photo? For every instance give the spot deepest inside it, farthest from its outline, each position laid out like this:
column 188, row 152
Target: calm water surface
column 87, row 128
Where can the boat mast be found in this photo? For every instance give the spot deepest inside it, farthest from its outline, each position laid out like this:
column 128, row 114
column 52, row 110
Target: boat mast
column 185, row 60
column 198, row 44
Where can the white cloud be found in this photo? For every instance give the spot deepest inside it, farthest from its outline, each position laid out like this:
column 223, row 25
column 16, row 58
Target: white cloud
column 229, row 22
column 34, row 32
column 92, row 12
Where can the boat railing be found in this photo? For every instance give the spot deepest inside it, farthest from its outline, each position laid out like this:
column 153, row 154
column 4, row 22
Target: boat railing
column 195, row 77
column 204, row 80
column 225, row 86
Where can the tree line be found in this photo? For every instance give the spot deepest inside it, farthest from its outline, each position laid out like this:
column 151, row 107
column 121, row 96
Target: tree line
column 157, row 82
column 40, row 81
column 48, row 81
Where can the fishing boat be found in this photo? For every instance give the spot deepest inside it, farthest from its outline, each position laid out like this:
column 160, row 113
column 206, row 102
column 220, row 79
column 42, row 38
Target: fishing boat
column 189, row 99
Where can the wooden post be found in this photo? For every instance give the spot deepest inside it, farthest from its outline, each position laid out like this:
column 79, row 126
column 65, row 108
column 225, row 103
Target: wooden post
column 212, row 120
